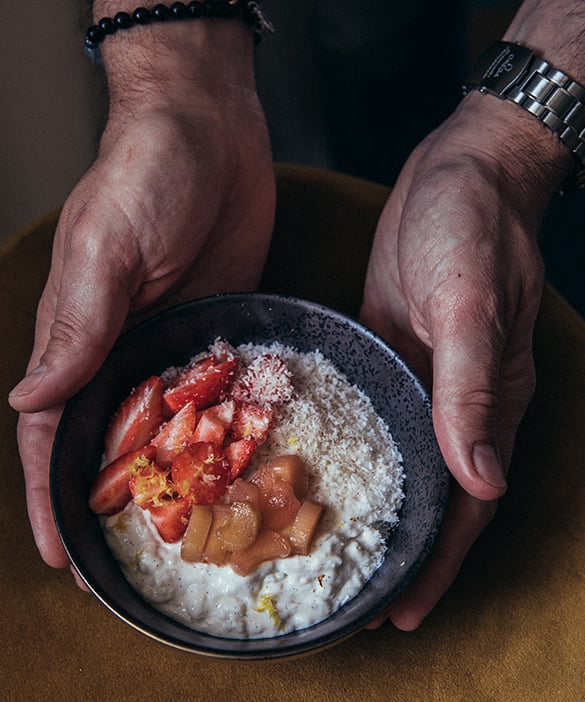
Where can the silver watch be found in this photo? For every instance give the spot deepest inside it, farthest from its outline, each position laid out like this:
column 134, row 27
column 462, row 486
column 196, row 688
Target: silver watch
column 513, row 72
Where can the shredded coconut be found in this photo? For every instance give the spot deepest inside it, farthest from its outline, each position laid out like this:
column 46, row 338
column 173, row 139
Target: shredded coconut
column 265, row 381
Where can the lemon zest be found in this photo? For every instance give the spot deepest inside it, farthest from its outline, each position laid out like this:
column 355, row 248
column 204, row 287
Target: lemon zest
column 151, row 484
column 293, row 442
column 266, row 604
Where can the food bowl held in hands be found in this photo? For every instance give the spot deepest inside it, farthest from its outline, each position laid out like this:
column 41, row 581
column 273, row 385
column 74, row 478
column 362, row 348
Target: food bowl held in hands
column 171, row 339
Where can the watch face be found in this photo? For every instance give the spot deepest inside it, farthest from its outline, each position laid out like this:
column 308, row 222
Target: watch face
column 498, row 69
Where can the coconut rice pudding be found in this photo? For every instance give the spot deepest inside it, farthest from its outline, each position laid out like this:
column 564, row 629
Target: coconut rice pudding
column 354, row 474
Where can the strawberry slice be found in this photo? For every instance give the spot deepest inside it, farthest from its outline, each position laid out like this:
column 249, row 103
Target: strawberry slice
column 201, row 472
column 209, row 429
column 110, row 491
column 251, row 421
column 239, row 454
column 175, row 435
column 171, row 518
column 266, row 381
column 224, row 412
column 136, row 420
column 205, row 383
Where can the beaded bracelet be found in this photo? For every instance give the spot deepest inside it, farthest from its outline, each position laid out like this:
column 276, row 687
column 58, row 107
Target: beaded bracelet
column 250, row 12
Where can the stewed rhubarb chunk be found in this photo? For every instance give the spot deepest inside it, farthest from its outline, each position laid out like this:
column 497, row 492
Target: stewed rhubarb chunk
column 240, row 528
column 216, row 551
column 268, row 546
column 279, row 504
column 304, row 526
column 195, row 536
column 292, row 469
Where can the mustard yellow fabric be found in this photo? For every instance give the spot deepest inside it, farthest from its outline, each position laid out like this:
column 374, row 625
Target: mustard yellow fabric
column 512, row 629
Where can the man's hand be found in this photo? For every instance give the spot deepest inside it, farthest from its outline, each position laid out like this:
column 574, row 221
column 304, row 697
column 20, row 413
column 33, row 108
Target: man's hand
column 454, row 283
column 179, row 204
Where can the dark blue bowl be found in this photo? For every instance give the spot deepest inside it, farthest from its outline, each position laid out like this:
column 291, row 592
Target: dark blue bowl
column 172, row 338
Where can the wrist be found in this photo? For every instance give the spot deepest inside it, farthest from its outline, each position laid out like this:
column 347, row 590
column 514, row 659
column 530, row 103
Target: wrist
column 515, row 74
column 527, row 153
column 175, row 62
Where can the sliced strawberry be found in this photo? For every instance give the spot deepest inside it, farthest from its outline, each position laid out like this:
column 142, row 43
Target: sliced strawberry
column 201, row 472
column 136, row 420
column 209, row 429
column 171, row 518
column 205, row 384
column 224, row 412
column 266, row 381
column 239, row 454
column 175, row 435
column 110, row 492
column 251, row 421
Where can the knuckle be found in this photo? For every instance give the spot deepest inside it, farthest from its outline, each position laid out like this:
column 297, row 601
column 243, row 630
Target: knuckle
column 472, row 409
column 66, row 333
column 71, row 334
column 482, row 399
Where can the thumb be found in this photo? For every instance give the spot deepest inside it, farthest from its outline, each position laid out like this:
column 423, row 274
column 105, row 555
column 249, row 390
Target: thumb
column 466, row 372
column 73, row 336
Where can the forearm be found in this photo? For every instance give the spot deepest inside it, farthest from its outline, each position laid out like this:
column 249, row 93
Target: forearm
column 555, row 30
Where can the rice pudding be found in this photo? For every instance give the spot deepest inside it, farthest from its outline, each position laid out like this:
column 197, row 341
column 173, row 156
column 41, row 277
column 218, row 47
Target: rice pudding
column 355, row 473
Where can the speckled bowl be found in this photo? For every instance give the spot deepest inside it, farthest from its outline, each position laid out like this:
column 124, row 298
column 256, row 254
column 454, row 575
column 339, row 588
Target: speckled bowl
column 173, row 337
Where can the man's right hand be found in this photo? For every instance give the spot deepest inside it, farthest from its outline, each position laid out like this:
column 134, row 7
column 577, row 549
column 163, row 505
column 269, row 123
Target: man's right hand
column 179, row 204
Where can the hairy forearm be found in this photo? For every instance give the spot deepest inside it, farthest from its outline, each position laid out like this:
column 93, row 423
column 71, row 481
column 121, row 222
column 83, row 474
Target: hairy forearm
column 175, row 62
column 555, row 30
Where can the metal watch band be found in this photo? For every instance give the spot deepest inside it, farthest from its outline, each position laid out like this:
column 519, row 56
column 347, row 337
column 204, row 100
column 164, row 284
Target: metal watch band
column 515, row 73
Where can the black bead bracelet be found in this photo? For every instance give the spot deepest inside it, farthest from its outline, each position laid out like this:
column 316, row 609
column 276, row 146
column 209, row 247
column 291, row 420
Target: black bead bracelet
column 250, row 12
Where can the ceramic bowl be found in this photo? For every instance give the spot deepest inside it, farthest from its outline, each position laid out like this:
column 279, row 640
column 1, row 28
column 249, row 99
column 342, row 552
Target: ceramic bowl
column 172, row 338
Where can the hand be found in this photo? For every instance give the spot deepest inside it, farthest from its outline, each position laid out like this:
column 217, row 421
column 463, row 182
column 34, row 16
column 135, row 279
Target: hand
column 454, row 283
column 179, row 204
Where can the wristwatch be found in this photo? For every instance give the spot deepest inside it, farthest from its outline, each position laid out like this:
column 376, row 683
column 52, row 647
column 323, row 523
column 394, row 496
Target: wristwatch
column 513, row 72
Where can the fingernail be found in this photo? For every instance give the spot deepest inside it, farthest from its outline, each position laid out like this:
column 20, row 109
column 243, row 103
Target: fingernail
column 30, row 382
column 488, row 466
